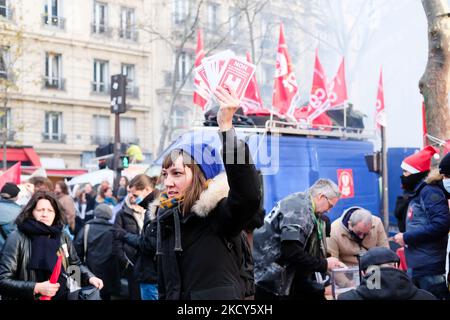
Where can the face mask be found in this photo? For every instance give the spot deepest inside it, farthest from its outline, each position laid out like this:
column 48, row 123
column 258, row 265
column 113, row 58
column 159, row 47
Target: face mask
column 138, row 200
column 410, row 182
column 446, row 183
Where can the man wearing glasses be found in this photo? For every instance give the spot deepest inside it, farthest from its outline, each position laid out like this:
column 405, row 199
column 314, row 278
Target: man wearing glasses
column 355, row 232
column 290, row 249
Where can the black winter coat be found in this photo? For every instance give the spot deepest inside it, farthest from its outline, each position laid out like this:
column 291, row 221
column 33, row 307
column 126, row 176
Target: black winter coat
column 208, row 267
column 16, row 280
column 99, row 257
column 394, row 285
column 125, row 253
column 145, row 270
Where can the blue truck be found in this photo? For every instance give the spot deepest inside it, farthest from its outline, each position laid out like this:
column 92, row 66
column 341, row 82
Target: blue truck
column 292, row 160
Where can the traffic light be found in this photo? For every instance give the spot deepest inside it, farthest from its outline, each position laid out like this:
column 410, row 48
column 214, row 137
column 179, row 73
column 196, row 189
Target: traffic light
column 118, row 93
column 124, row 162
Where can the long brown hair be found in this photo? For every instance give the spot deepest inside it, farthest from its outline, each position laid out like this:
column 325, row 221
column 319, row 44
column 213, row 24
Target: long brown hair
column 198, row 185
column 63, row 186
column 27, row 211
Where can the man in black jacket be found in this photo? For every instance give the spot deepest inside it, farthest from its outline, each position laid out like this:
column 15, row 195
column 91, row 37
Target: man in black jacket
column 383, row 280
column 290, row 249
column 94, row 247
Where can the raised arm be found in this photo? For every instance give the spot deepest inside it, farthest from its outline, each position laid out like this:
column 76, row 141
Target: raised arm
column 244, row 196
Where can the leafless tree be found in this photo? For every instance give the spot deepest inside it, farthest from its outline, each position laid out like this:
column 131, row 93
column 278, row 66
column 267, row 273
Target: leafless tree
column 11, row 49
column 251, row 10
column 178, row 40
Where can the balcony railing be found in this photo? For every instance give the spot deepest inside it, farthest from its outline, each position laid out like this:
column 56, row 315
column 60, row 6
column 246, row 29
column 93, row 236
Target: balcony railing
column 129, row 34
column 54, row 83
column 101, row 30
column 130, row 140
column 54, row 137
column 101, row 140
column 168, row 78
column 100, row 87
column 58, row 22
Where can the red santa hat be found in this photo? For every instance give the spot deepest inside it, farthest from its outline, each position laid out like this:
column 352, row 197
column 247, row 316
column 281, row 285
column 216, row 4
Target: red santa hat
column 420, row 161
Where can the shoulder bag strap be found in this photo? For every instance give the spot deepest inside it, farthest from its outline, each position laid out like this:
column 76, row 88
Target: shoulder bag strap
column 85, row 239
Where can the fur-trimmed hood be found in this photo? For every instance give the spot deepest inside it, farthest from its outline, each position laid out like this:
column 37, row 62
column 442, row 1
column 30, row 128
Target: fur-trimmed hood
column 218, row 189
column 434, row 177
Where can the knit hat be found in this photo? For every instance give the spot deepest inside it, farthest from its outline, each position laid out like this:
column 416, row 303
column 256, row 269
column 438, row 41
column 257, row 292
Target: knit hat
column 444, row 165
column 103, row 211
column 207, row 157
column 9, row 190
column 378, row 256
column 420, row 161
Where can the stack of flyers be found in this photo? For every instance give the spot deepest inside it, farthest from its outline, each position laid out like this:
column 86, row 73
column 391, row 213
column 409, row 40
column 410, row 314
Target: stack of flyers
column 224, row 69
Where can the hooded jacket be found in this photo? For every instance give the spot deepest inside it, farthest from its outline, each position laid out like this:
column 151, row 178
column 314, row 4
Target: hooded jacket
column 394, row 285
column 427, row 226
column 343, row 246
column 206, row 264
column 16, row 280
column 9, row 210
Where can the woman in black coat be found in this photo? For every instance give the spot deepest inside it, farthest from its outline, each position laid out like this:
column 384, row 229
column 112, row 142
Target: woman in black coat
column 202, row 213
column 31, row 252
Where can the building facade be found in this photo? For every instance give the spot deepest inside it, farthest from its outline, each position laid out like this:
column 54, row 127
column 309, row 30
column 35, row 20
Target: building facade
column 60, row 56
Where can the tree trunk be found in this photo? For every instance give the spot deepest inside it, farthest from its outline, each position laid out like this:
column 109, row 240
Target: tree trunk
column 434, row 84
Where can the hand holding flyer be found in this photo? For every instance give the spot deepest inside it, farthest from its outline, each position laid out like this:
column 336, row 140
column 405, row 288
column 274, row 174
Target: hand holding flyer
column 236, row 74
column 224, row 70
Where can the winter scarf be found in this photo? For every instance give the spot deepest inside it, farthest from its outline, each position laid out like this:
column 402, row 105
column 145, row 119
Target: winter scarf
column 166, row 204
column 45, row 242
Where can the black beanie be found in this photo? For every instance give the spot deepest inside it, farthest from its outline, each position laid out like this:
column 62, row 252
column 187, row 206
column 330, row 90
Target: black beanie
column 444, row 165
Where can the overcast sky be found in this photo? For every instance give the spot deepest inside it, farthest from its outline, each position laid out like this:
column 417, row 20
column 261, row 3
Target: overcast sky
column 398, row 43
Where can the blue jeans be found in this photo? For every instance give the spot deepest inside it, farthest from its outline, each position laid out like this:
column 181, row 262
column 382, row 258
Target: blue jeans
column 149, row 291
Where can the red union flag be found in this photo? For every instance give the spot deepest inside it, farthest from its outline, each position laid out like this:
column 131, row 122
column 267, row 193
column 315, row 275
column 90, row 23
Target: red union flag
column 337, row 89
column 252, row 103
column 55, row 275
column 11, row 175
column 201, row 93
column 314, row 113
column 380, row 113
column 285, row 86
column 346, row 185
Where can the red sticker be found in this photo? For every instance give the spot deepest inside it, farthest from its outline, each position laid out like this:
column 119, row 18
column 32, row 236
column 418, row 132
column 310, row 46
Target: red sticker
column 346, row 185
column 410, row 213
